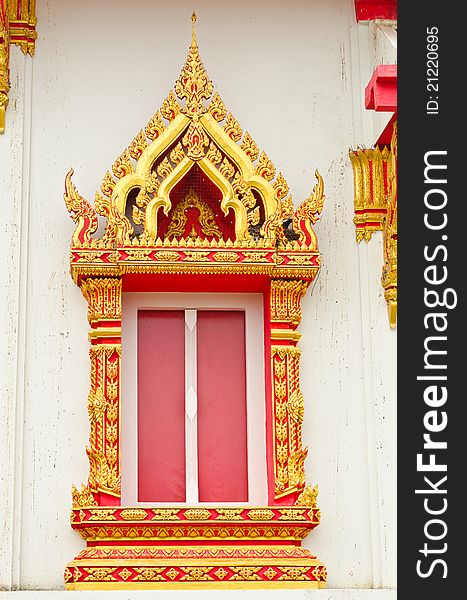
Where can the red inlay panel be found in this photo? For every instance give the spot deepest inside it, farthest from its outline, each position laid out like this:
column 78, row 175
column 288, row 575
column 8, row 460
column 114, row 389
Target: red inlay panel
column 222, row 425
column 161, row 406
column 209, row 193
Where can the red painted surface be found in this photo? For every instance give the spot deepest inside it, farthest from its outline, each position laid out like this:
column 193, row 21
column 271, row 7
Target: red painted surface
column 386, row 136
column 209, row 193
column 107, row 499
column 222, row 425
column 133, row 282
column 184, row 543
column 381, row 92
column 369, row 10
column 161, row 406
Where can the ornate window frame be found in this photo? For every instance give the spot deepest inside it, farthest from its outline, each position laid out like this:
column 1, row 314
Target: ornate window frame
column 252, row 306
column 274, row 252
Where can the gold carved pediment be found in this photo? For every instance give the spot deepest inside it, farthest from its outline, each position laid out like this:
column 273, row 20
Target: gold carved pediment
column 193, row 129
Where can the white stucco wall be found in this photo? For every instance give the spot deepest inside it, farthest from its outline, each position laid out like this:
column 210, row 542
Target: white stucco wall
column 293, row 75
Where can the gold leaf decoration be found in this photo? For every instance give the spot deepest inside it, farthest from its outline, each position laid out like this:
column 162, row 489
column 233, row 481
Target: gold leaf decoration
column 265, row 167
column 81, row 211
column 308, row 497
column 164, row 168
column 102, row 205
column 138, row 145
column 155, row 126
column 133, row 514
column 82, row 499
column 280, row 187
column 250, row 147
column 243, row 192
column 310, row 209
column 296, row 406
column 138, row 216
column 260, row 514
column 217, row 108
column 287, row 208
column 170, row 107
column 226, row 256
column 214, row 155
column 230, row 514
column 232, row 128
column 227, row 169
column 123, row 165
column 197, row 514
column 96, row 405
column 165, row 514
column 254, row 216
column 292, row 514
column 177, row 154
column 167, row 256
column 193, row 85
column 108, row 184
column 195, row 141
column 152, row 183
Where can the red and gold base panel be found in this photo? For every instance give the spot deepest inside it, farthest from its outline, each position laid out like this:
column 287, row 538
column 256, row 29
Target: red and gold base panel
column 194, row 547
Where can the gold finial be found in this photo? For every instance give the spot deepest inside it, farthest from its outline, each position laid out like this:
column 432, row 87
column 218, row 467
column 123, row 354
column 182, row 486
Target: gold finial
column 193, row 85
column 193, row 29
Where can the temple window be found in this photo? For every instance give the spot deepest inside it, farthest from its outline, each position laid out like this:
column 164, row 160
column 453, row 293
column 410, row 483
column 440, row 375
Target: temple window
column 193, row 424
column 197, row 465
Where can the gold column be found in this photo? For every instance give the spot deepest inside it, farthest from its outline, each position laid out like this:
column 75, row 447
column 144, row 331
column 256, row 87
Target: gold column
column 104, row 315
column 287, row 398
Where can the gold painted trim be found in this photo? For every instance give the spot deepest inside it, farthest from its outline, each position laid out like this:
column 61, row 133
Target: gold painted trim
column 195, row 561
column 285, row 334
column 146, row 160
column 124, row 267
column 105, row 332
column 228, row 198
column 245, row 539
column 106, row 319
column 243, row 162
column 196, row 585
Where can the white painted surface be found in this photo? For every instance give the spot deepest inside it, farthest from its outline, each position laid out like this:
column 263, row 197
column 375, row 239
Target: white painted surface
column 191, row 405
column 294, row 77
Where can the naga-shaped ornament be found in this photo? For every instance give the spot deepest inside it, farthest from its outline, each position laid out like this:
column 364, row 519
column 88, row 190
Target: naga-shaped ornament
column 81, row 211
column 308, row 213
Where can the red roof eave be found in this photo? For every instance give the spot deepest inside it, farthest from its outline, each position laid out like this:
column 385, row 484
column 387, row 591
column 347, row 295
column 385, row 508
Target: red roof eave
column 381, row 92
column 369, row 10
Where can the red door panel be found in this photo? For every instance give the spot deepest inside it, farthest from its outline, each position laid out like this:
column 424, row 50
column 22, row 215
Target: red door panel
column 222, row 425
column 161, row 406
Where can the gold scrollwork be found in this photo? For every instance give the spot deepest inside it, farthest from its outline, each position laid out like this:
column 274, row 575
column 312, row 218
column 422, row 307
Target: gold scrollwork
column 261, row 514
column 133, row 514
column 286, row 296
column 308, row 496
column 103, row 297
column 197, row 514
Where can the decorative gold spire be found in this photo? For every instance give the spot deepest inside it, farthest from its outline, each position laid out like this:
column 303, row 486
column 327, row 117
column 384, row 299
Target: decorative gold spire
column 193, row 85
column 193, row 30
